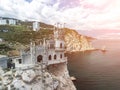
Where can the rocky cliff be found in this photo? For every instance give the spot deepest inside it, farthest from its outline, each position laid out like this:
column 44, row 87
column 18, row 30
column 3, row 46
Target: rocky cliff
column 54, row 77
column 76, row 42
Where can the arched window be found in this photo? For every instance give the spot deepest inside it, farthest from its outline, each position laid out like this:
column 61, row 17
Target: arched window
column 60, row 45
column 39, row 58
column 60, row 55
column 55, row 57
column 50, row 57
column 20, row 61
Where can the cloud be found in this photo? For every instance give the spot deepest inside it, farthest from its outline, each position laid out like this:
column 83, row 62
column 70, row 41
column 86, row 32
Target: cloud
column 78, row 14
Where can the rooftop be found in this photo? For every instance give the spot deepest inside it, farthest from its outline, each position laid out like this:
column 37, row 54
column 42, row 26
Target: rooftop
column 8, row 18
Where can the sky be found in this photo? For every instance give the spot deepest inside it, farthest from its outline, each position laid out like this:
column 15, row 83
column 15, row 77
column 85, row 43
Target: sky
column 85, row 15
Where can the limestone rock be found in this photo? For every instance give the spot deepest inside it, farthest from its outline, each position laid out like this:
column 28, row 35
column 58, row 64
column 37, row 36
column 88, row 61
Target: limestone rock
column 76, row 42
column 28, row 76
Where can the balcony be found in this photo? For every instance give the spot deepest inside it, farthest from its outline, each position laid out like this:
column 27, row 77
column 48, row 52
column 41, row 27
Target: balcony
column 50, row 62
column 60, row 49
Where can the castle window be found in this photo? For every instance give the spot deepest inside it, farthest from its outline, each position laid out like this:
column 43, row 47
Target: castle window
column 55, row 56
column 52, row 46
column 50, row 57
column 39, row 58
column 60, row 55
column 60, row 45
column 20, row 61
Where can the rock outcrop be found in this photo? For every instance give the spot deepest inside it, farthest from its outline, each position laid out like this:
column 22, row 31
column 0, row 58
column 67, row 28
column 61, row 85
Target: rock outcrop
column 54, row 77
column 76, row 42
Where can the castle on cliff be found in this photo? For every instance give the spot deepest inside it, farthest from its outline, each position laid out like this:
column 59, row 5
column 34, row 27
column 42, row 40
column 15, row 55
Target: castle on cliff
column 42, row 67
column 48, row 52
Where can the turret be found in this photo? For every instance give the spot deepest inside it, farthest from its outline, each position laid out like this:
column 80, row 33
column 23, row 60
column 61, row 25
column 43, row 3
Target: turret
column 58, row 31
column 32, row 52
column 59, row 37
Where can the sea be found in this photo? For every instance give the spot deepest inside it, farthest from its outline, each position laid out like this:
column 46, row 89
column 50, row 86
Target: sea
column 96, row 70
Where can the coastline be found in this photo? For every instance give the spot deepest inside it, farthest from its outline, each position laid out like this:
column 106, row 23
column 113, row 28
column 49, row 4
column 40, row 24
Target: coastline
column 92, row 49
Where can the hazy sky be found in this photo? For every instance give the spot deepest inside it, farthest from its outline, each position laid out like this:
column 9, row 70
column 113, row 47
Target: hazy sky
column 78, row 14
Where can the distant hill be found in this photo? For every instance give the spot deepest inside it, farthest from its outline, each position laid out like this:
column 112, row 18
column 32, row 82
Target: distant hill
column 43, row 25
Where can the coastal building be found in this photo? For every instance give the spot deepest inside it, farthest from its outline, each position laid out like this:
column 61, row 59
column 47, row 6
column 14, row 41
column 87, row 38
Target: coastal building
column 3, row 21
column 8, row 21
column 36, row 26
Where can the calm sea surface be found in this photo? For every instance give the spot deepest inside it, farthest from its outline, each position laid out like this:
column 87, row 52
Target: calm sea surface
column 96, row 70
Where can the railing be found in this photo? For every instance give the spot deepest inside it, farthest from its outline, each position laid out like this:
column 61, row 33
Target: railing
column 60, row 48
column 57, row 61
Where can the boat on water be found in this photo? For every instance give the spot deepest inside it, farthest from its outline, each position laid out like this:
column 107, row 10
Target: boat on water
column 103, row 49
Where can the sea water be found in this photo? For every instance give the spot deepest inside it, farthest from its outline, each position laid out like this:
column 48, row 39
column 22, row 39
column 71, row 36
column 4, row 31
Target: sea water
column 97, row 70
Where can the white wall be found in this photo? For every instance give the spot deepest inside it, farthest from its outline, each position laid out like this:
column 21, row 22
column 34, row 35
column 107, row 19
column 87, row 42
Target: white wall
column 36, row 26
column 12, row 22
column 58, row 42
column 3, row 22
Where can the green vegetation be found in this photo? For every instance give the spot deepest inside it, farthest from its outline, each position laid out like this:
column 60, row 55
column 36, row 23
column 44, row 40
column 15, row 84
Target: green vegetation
column 13, row 34
column 4, row 48
column 13, row 28
column 46, row 25
column 21, row 34
column 67, row 30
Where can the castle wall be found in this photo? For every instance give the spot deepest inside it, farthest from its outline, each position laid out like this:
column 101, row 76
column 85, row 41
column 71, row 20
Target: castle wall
column 26, row 59
column 58, row 43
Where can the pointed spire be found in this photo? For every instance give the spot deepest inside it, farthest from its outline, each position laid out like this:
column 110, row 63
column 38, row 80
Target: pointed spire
column 64, row 25
column 55, row 26
column 44, row 45
column 61, row 26
column 58, row 25
column 31, row 50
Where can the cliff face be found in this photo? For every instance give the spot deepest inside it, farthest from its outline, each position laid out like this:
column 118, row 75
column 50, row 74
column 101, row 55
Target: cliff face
column 54, row 77
column 76, row 42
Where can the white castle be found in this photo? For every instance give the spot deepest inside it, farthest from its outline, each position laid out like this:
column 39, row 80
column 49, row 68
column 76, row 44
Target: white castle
column 47, row 52
column 43, row 67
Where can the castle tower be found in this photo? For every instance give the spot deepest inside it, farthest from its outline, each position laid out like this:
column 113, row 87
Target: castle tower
column 32, row 52
column 56, row 47
column 59, row 37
